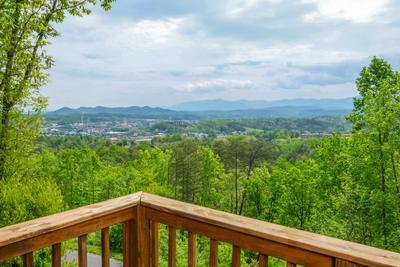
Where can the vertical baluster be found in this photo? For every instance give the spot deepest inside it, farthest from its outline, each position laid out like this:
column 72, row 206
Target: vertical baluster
column 192, row 250
column 263, row 260
column 289, row 264
column 213, row 253
column 127, row 243
column 172, row 247
column 105, row 247
column 28, row 259
column 235, row 256
column 82, row 251
column 344, row 263
column 56, row 255
column 154, row 244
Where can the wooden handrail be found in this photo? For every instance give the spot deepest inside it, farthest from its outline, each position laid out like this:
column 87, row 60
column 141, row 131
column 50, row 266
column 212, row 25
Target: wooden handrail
column 307, row 241
column 141, row 213
column 18, row 239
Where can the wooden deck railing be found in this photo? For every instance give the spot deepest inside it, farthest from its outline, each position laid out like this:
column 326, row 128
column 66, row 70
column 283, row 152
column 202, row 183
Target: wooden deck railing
column 141, row 215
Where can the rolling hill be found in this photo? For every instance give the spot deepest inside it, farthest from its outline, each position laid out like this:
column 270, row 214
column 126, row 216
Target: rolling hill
column 218, row 109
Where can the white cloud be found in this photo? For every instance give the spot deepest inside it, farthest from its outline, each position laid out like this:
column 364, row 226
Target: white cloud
column 217, row 84
column 236, row 8
column 358, row 11
column 202, row 54
column 304, row 54
column 150, row 33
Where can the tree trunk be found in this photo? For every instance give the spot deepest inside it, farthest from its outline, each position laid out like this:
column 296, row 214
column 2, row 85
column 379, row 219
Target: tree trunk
column 236, row 184
column 383, row 189
column 5, row 87
column 395, row 173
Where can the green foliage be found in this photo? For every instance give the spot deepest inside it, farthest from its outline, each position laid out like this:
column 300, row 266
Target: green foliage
column 376, row 119
column 22, row 201
column 261, row 193
column 27, row 188
column 25, row 31
column 193, row 172
column 149, row 172
column 25, row 200
column 76, row 176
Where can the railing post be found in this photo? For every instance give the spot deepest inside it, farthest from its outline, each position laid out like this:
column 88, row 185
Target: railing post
column 154, row 244
column 128, row 242
column 213, row 253
column 263, row 260
column 344, row 263
column 192, row 250
column 28, row 259
column 141, row 248
column 235, row 256
column 56, row 255
column 105, row 247
column 82, row 251
column 171, row 246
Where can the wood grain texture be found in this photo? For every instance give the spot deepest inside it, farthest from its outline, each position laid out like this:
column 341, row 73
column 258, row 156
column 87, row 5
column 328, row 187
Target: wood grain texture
column 235, row 256
column 154, row 244
column 245, row 241
column 344, row 263
column 192, row 249
column 22, row 231
column 28, row 260
column 171, row 246
column 290, row 264
column 141, row 244
column 323, row 245
column 49, row 238
column 105, row 247
column 82, row 251
column 128, row 241
column 262, row 260
column 301, row 247
column 56, row 255
column 213, row 253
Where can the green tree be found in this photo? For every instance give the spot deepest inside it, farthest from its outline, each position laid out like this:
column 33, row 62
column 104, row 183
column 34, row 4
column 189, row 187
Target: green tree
column 194, row 173
column 376, row 116
column 240, row 156
column 25, row 30
column 76, row 176
column 298, row 183
column 207, row 185
column 149, row 172
column 262, row 194
column 111, row 182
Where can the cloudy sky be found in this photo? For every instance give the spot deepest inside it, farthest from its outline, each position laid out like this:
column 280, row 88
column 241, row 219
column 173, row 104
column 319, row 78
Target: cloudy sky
column 162, row 52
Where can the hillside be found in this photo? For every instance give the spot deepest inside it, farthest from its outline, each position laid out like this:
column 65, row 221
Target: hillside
column 225, row 105
column 277, row 110
column 133, row 112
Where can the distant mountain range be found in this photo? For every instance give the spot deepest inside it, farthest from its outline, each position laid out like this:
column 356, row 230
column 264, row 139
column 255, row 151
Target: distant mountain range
column 219, row 104
column 132, row 112
column 220, row 109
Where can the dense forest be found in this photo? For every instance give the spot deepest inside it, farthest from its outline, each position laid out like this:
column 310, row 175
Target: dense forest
column 345, row 187
column 267, row 128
